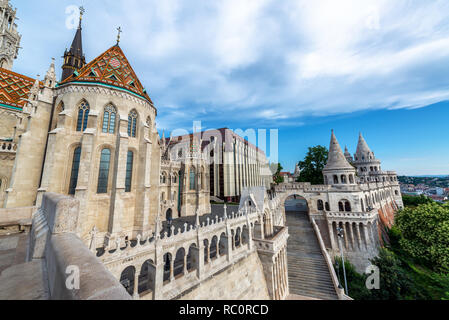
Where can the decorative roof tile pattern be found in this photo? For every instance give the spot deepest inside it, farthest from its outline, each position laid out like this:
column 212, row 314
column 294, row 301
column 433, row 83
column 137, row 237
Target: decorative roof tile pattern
column 112, row 68
column 14, row 88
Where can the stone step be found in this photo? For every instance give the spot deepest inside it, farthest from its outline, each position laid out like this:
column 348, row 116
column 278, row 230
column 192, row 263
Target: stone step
column 307, row 269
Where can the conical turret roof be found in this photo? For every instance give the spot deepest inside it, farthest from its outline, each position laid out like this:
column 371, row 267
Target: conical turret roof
column 362, row 146
column 336, row 159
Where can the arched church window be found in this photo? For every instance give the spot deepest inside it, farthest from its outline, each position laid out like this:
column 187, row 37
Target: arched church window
column 75, row 169
column 129, row 171
column 320, row 205
column 328, row 208
column 351, row 178
column 103, row 175
column 83, row 116
column 192, row 179
column 132, row 123
column 335, row 179
column 343, row 179
column 109, row 118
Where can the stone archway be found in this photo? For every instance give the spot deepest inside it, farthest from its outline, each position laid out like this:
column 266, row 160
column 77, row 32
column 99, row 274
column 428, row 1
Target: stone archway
column 169, row 214
column 296, row 203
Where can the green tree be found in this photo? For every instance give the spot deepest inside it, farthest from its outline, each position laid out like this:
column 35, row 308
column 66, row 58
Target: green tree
column 277, row 176
column 395, row 282
column 313, row 165
column 425, row 234
column 414, row 201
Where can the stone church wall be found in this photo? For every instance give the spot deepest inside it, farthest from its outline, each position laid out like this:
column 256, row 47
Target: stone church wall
column 242, row 281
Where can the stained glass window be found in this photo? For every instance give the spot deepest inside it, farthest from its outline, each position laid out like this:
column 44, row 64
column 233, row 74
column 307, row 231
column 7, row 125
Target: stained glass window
column 132, row 124
column 109, row 119
column 103, row 175
column 129, row 171
column 83, row 116
column 75, row 169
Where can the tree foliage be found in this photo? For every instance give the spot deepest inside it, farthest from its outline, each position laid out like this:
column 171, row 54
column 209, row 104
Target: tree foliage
column 395, row 282
column 313, row 165
column 425, row 234
column 277, row 176
column 415, row 200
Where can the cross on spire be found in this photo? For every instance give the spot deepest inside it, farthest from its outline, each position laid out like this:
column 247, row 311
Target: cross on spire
column 119, row 29
column 82, row 10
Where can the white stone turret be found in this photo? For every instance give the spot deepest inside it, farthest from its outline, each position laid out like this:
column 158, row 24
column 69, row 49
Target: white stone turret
column 348, row 155
column 338, row 170
column 297, row 172
column 364, row 159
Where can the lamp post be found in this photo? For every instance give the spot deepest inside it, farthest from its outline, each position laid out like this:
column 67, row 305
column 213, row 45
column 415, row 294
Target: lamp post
column 340, row 237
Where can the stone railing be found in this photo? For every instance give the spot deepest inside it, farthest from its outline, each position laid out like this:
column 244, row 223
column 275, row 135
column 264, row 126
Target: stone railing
column 338, row 289
column 194, row 242
column 8, row 146
column 16, row 220
column 54, row 241
column 353, row 216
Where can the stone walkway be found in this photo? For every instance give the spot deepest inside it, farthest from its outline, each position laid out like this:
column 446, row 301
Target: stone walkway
column 308, row 274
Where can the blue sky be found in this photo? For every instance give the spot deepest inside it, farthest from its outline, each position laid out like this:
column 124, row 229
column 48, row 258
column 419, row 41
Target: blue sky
column 303, row 67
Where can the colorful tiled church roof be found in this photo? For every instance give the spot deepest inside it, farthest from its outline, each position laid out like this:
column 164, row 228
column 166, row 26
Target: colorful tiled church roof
column 14, row 88
column 111, row 68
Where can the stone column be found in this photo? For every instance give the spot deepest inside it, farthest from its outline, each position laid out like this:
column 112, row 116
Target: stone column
column 359, row 238
column 119, row 176
column 367, row 238
column 275, row 276
column 136, row 284
column 351, row 234
column 147, row 182
column 185, row 263
column 172, row 267
column 330, row 225
column 345, row 236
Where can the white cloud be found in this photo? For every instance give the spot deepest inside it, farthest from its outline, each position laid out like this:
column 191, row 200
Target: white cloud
column 258, row 60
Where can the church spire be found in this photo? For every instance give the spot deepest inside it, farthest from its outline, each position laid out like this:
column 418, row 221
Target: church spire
column 74, row 58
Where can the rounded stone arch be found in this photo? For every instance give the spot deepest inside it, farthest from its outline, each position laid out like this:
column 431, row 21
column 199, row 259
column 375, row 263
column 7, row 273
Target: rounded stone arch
column 147, row 276
column 297, row 196
column 127, row 279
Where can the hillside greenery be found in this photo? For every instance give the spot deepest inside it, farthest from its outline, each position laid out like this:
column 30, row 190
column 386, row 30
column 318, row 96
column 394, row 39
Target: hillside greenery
column 415, row 264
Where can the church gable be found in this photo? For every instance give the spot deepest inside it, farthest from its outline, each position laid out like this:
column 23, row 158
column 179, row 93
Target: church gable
column 113, row 68
column 14, row 88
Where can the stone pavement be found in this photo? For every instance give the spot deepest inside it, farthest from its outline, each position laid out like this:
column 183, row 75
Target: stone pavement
column 20, row 280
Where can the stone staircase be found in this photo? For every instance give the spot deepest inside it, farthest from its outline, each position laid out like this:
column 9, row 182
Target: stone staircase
column 308, row 274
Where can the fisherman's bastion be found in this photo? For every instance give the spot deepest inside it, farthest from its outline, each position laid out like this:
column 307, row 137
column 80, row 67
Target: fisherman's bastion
column 88, row 184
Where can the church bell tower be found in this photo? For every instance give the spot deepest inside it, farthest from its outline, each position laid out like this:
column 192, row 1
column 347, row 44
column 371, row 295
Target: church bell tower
column 74, row 58
column 9, row 36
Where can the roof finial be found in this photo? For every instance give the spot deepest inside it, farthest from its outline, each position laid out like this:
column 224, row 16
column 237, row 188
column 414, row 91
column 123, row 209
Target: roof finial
column 81, row 14
column 119, row 29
